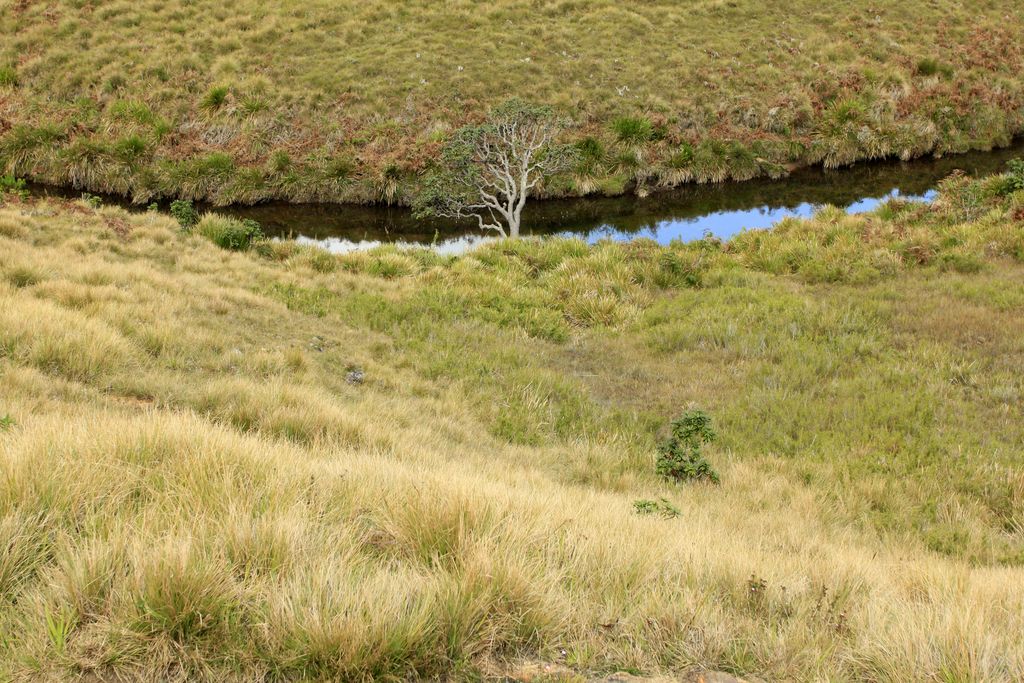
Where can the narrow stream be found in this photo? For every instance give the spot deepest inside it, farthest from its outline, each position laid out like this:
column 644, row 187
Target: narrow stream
column 686, row 213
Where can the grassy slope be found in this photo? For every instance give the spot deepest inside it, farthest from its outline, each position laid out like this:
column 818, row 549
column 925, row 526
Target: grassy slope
column 350, row 100
column 192, row 489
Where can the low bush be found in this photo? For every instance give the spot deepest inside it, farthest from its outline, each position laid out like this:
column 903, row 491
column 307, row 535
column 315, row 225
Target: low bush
column 185, row 213
column 662, row 507
column 13, row 185
column 1014, row 176
column 679, row 457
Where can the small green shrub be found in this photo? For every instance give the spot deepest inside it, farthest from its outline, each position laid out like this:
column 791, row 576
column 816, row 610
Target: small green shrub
column 215, row 97
column 253, row 104
column 390, row 265
column 13, row 185
column 6, row 423
column 1014, row 177
column 185, row 213
column 230, row 233
column 709, row 162
column 22, row 144
column 160, row 73
column 661, row 507
column 679, row 456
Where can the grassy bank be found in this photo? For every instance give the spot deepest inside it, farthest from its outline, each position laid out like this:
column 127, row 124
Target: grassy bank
column 344, row 101
column 280, row 464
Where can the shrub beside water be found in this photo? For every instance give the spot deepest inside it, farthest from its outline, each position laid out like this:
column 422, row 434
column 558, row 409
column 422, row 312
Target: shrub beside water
column 185, row 213
column 1014, row 176
column 13, row 185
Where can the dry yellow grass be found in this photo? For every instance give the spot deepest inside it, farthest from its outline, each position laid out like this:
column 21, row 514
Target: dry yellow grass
column 192, row 491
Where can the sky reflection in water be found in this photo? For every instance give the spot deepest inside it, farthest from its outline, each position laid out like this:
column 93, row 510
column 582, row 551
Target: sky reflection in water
column 687, row 213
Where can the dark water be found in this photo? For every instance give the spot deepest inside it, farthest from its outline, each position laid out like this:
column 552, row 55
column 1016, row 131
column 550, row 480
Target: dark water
column 687, row 213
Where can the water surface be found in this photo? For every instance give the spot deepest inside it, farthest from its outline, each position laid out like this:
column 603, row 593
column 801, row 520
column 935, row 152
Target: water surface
column 687, row 213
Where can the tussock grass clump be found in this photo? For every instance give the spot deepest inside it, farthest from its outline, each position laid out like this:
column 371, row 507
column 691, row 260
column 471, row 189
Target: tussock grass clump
column 933, row 67
column 65, row 343
column 24, row 145
column 8, row 76
column 215, row 97
column 133, row 112
column 229, row 233
column 633, row 131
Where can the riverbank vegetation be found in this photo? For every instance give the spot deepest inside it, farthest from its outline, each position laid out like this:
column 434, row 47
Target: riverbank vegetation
column 345, row 101
column 272, row 462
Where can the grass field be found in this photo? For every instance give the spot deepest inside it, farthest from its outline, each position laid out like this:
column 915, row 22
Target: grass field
column 350, row 101
column 279, row 464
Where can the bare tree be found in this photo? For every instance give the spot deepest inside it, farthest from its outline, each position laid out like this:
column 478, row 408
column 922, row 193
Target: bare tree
column 488, row 171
